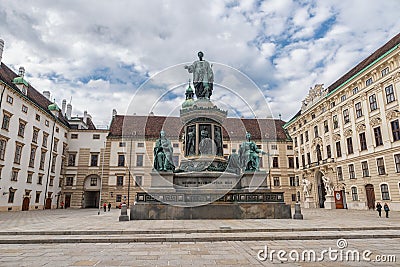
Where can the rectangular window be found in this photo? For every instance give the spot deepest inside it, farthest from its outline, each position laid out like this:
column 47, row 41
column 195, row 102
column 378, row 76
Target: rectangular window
column 3, row 145
column 335, row 122
column 378, row 136
column 21, row 129
column 40, row 179
column 303, row 160
column 121, row 160
column 339, row 173
column 53, row 163
column 42, row 160
column 308, row 158
column 45, row 136
column 32, row 157
column 93, row 181
column 292, row 181
column 18, row 152
column 338, row 149
column 368, row 81
column 349, row 141
column 140, row 144
column 120, row 180
column 69, row 181
column 74, row 136
column 277, row 181
column 385, row 71
column 326, row 127
column 139, row 160
column 333, row 104
column 343, row 98
column 301, row 139
column 363, row 141
column 11, row 194
column 46, row 122
column 297, row 163
column 312, row 116
column 96, row 136
column 295, row 142
column 395, row 130
column 10, row 100
column 352, row 174
column 35, row 135
column 397, row 162
column 275, row 163
column 373, row 105
column 71, row 159
column 6, row 122
column 94, row 158
column 175, row 145
column 37, row 196
column 29, row 178
column 306, row 135
column 381, row 166
column 358, row 110
column 346, row 116
column 14, row 175
column 291, row 162
column 122, row 144
column 328, row 151
column 274, row 147
column 118, row 198
column 355, row 90
column 55, row 145
column 365, row 169
column 390, row 94
column 51, row 181
column 37, row 117
column 289, row 147
column 316, row 131
column 385, row 192
column 24, row 109
column 138, row 180
column 354, row 193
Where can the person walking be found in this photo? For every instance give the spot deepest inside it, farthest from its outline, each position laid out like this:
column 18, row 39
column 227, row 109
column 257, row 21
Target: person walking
column 386, row 208
column 105, row 206
column 379, row 209
column 62, row 204
column 109, row 206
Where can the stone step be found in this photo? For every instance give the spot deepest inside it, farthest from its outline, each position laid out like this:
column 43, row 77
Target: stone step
column 197, row 237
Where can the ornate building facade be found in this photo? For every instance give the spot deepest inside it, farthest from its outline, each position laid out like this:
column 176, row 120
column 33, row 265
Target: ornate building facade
column 349, row 132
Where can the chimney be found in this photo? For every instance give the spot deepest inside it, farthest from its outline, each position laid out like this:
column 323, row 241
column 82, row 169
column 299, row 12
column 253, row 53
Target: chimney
column 69, row 111
column 114, row 113
column 21, row 73
column 47, row 94
column 85, row 117
column 1, row 49
column 63, row 105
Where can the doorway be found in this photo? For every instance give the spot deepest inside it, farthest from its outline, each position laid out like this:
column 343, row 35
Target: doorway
column 67, row 203
column 369, row 190
column 321, row 190
column 25, row 204
column 91, row 199
column 48, row 204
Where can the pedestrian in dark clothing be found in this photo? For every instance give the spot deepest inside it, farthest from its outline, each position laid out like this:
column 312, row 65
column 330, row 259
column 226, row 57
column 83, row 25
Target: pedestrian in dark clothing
column 105, row 206
column 379, row 208
column 109, row 206
column 386, row 208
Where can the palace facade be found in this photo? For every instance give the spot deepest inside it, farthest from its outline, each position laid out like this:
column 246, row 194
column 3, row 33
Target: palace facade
column 350, row 133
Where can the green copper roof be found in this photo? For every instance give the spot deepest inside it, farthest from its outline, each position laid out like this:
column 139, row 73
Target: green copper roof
column 54, row 107
column 189, row 89
column 19, row 80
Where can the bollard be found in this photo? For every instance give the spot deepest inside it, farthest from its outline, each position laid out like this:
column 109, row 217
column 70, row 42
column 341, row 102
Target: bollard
column 297, row 212
column 124, row 213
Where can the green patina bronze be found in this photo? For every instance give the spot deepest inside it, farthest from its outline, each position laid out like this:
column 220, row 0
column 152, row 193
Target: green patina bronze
column 163, row 151
column 248, row 153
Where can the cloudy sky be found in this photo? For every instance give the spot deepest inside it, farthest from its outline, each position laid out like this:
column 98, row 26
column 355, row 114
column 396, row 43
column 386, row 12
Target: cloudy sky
column 120, row 54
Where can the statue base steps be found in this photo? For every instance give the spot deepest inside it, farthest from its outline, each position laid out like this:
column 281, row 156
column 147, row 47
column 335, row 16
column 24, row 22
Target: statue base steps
column 309, row 203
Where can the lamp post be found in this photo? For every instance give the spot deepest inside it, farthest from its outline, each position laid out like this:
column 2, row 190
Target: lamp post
column 101, row 178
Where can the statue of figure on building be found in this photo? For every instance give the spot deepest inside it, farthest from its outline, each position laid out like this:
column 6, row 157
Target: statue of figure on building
column 248, row 153
column 234, row 165
column 307, row 187
column 328, row 184
column 205, row 145
column 203, row 77
column 163, row 152
column 190, row 143
column 218, row 141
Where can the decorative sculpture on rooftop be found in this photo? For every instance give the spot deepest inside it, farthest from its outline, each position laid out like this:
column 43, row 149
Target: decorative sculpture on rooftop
column 248, row 153
column 163, row 151
column 203, row 77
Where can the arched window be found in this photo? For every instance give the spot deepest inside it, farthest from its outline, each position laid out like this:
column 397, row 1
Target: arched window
column 385, row 192
column 354, row 193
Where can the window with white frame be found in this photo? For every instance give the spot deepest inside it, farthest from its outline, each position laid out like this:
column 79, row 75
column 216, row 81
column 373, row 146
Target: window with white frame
column 358, row 110
column 397, row 162
column 368, row 81
column 373, row 105
column 381, row 166
column 365, row 169
column 354, row 193
column 352, row 174
column 385, row 192
column 385, row 71
column 390, row 94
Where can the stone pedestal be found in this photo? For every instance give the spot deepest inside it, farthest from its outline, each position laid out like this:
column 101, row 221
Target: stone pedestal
column 309, row 203
column 124, row 213
column 297, row 212
column 329, row 203
column 251, row 181
column 162, row 181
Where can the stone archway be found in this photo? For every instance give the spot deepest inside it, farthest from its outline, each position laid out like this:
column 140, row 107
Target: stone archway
column 320, row 189
column 91, row 187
